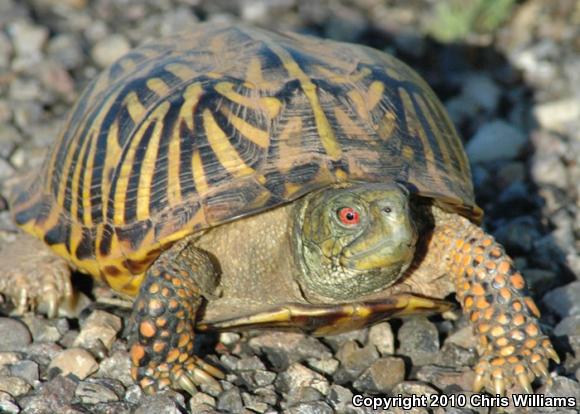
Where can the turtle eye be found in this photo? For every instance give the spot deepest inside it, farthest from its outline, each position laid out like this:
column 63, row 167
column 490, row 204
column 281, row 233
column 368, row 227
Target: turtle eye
column 348, row 216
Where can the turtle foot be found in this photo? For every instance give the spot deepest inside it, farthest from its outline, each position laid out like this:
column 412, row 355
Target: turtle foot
column 34, row 277
column 496, row 373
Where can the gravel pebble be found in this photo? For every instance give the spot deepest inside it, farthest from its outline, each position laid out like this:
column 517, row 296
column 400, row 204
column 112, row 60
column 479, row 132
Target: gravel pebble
column 91, row 392
column 99, row 326
column 230, row 401
column 284, row 348
column 381, row 336
column 76, row 361
column 27, row 370
column 354, row 359
column 381, row 376
column 162, row 403
column 8, row 404
column 564, row 300
column 297, row 375
column 495, row 140
column 108, row 50
column 14, row 386
column 419, row 340
column 14, row 335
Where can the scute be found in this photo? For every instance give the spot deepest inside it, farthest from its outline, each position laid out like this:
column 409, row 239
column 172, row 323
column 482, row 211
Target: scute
column 226, row 121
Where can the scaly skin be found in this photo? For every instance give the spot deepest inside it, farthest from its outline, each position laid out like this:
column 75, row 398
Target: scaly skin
column 493, row 295
column 164, row 315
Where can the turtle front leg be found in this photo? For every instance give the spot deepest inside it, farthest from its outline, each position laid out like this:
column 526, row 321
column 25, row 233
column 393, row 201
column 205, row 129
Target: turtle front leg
column 165, row 315
column 493, row 295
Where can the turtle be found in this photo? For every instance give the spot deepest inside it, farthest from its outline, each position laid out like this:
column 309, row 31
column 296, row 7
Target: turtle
column 231, row 177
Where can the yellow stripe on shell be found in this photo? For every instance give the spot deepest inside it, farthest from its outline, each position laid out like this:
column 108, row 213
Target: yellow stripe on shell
column 110, row 163
column 437, row 133
column 325, row 132
column 135, row 108
column 148, row 164
column 414, row 125
column 331, row 76
column 250, row 132
column 199, row 179
column 181, row 71
column 225, row 152
column 268, row 105
column 348, row 126
column 158, row 86
column 125, row 173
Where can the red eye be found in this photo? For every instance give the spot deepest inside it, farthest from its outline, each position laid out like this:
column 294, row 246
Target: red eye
column 348, row 216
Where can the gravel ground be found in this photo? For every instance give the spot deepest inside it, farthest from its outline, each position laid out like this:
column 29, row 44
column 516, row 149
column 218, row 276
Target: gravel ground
column 515, row 97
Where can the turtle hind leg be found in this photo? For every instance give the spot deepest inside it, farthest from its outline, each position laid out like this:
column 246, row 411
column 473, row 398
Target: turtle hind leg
column 164, row 313
column 513, row 350
column 34, row 277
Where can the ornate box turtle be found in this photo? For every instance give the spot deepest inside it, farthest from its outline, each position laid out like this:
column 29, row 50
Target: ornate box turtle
column 232, row 177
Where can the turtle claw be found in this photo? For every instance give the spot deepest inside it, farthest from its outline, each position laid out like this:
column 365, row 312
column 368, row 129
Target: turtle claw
column 496, row 374
column 186, row 384
column 479, row 383
column 499, row 386
column 524, row 382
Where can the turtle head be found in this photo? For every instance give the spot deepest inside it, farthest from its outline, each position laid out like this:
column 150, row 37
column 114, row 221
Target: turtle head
column 353, row 240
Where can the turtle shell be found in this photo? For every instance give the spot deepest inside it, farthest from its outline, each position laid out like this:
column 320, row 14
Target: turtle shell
column 195, row 130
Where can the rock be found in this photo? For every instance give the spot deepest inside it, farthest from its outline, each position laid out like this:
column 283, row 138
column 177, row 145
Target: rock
column 9, row 358
column 75, row 361
column 134, row 394
column 549, row 169
column 354, row 360
column 28, row 39
column 45, row 330
column 316, row 407
column 561, row 387
column 14, row 335
column 482, row 90
column 327, row 366
column 91, row 392
column 201, row 402
column 177, row 20
column 258, row 378
column 298, row 375
column 8, row 404
column 569, row 327
column 27, row 370
column 339, row 397
column 556, row 114
column 496, row 140
column 66, row 49
column 381, row 376
column 447, row 377
column 345, row 24
column 230, row 401
column 99, row 326
column 253, row 403
column 303, row 394
column 462, row 337
column 540, row 280
column 453, row 355
column 5, row 51
column 107, row 50
column 419, row 340
column 285, row 348
column 564, row 300
column 14, row 386
column 162, row 403
column 414, row 388
column 518, row 235
column 381, row 336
